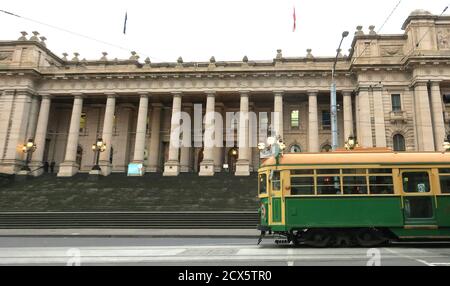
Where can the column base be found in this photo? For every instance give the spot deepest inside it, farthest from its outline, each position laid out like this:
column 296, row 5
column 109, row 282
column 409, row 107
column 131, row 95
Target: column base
column 106, row 168
column 67, row 169
column 206, row 169
column 10, row 166
column 136, row 169
column 95, row 172
column 23, row 173
column 171, row 169
column 242, row 168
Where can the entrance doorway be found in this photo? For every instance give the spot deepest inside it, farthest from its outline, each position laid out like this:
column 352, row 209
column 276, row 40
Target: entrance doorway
column 233, row 155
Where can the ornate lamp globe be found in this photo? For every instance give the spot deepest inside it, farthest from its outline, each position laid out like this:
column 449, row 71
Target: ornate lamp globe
column 261, row 146
column 446, row 146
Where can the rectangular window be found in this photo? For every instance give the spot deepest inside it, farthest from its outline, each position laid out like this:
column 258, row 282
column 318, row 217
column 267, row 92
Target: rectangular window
column 326, row 120
column 302, row 186
column 328, row 171
column 356, row 185
column 83, row 122
column 275, row 179
column 381, row 185
column 396, row 102
column 445, row 184
column 295, row 119
column 380, row 171
column 328, row 185
column 354, row 171
column 263, row 184
column 416, row 182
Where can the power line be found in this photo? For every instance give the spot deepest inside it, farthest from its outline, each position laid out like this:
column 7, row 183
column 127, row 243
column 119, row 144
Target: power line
column 76, row 34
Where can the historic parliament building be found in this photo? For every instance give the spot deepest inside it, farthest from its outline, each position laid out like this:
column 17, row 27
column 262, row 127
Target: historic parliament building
column 392, row 90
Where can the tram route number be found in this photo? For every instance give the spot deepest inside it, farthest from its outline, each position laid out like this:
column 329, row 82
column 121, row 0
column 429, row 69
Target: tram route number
column 234, row 275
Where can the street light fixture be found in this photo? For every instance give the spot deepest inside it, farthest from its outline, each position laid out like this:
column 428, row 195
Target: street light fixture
column 98, row 147
column 446, row 145
column 333, row 111
column 28, row 149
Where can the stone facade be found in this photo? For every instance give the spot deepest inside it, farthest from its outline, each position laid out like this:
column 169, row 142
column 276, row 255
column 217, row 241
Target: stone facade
column 391, row 91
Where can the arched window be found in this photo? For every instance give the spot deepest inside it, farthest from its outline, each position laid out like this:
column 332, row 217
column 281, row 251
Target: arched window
column 399, row 142
column 295, row 149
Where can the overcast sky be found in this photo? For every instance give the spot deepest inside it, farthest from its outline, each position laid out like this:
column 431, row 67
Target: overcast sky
column 199, row 29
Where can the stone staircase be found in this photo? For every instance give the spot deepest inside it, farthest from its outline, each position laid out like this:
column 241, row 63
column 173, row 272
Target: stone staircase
column 119, row 193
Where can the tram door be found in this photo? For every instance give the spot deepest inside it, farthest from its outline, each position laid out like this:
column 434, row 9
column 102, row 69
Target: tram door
column 418, row 198
column 276, row 198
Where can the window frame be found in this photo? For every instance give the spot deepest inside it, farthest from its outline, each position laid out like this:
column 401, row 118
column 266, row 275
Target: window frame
column 394, row 95
column 291, row 119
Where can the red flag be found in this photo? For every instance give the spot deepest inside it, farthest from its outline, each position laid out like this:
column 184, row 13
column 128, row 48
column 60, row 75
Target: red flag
column 293, row 30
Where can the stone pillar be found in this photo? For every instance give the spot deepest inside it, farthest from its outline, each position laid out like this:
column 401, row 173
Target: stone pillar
column 172, row 166
column 219, row 130
column 207, row 165
column 242, row 164
column 108, row 122
column 141, row 130
column 122, row 142
column 378, row 114
column 348, row 114
column 437, row 116
column 277, row 120
column 365, row 125
column 155, row 142
column 70, row 167
column 41, row 135
column 424, row 128
column 33, row 117
column 185, row 152
column 313, row 124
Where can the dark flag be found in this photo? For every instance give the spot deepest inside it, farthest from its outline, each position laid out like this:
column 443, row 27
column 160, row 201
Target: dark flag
column 125, row 24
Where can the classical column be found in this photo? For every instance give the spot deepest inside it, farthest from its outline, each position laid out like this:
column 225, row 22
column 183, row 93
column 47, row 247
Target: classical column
column 141, row 130
column 185, row 152
column 207, row 165
column 218, row 133
column 437, row 116
column 348, row 114
column 108, row 122
column 365, row 125
column 172, row 166
column 155, row 141
column 70, row 167
column 277, row 121
column 33, row 117
column 242, row 164
column 122, row 142
column 424, row 128
column 378, row 114
column 41, row 135
column 313, row 124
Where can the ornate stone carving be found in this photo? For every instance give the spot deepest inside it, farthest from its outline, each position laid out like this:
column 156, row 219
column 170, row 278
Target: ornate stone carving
column 389, row 51
column 443, row 36
column 6, row 56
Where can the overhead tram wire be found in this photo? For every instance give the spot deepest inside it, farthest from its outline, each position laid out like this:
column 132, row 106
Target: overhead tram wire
column 77, row 34
column 421, row 39
column 378, row 31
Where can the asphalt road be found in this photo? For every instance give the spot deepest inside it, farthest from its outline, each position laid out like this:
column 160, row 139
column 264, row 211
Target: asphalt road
column 181, row 251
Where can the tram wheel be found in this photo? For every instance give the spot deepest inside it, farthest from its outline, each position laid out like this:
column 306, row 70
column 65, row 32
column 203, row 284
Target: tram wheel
column 369, row 237
column 317, row 238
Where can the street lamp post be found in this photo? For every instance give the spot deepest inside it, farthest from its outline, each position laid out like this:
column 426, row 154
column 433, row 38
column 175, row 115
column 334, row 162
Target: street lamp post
column 333, row 111
column 98, row 147
column 28, row 149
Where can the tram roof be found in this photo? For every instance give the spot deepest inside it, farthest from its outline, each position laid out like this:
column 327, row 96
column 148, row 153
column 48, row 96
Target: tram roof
column 361, row 157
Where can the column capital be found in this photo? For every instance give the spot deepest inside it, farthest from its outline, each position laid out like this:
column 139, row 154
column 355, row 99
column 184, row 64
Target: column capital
column 46, row 95
column 312, row 91
column 78, row 95
column 176, row 93
column 363, row 88
column 278, row 92
column 144, row 94
column 111, row 94
column 347, row 92
column 210, row 93
column 244, row 92
column 422, row 83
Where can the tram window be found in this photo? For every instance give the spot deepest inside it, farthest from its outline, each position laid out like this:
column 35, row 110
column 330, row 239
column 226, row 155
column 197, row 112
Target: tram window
column 263, row 184
column 354, row 171
column 275, row 178
column 328, row 171
column 445, row 184
column 381, row 185
column 302, row 186
column 444, row 171
column 302, row 172
column 416, row 182
column 356, row 185
column 380, row 171
column 328, row 186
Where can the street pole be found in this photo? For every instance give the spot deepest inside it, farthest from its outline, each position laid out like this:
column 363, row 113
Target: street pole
column 333, row 111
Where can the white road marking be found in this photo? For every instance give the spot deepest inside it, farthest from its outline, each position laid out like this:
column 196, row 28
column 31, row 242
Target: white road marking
column 407, row 256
